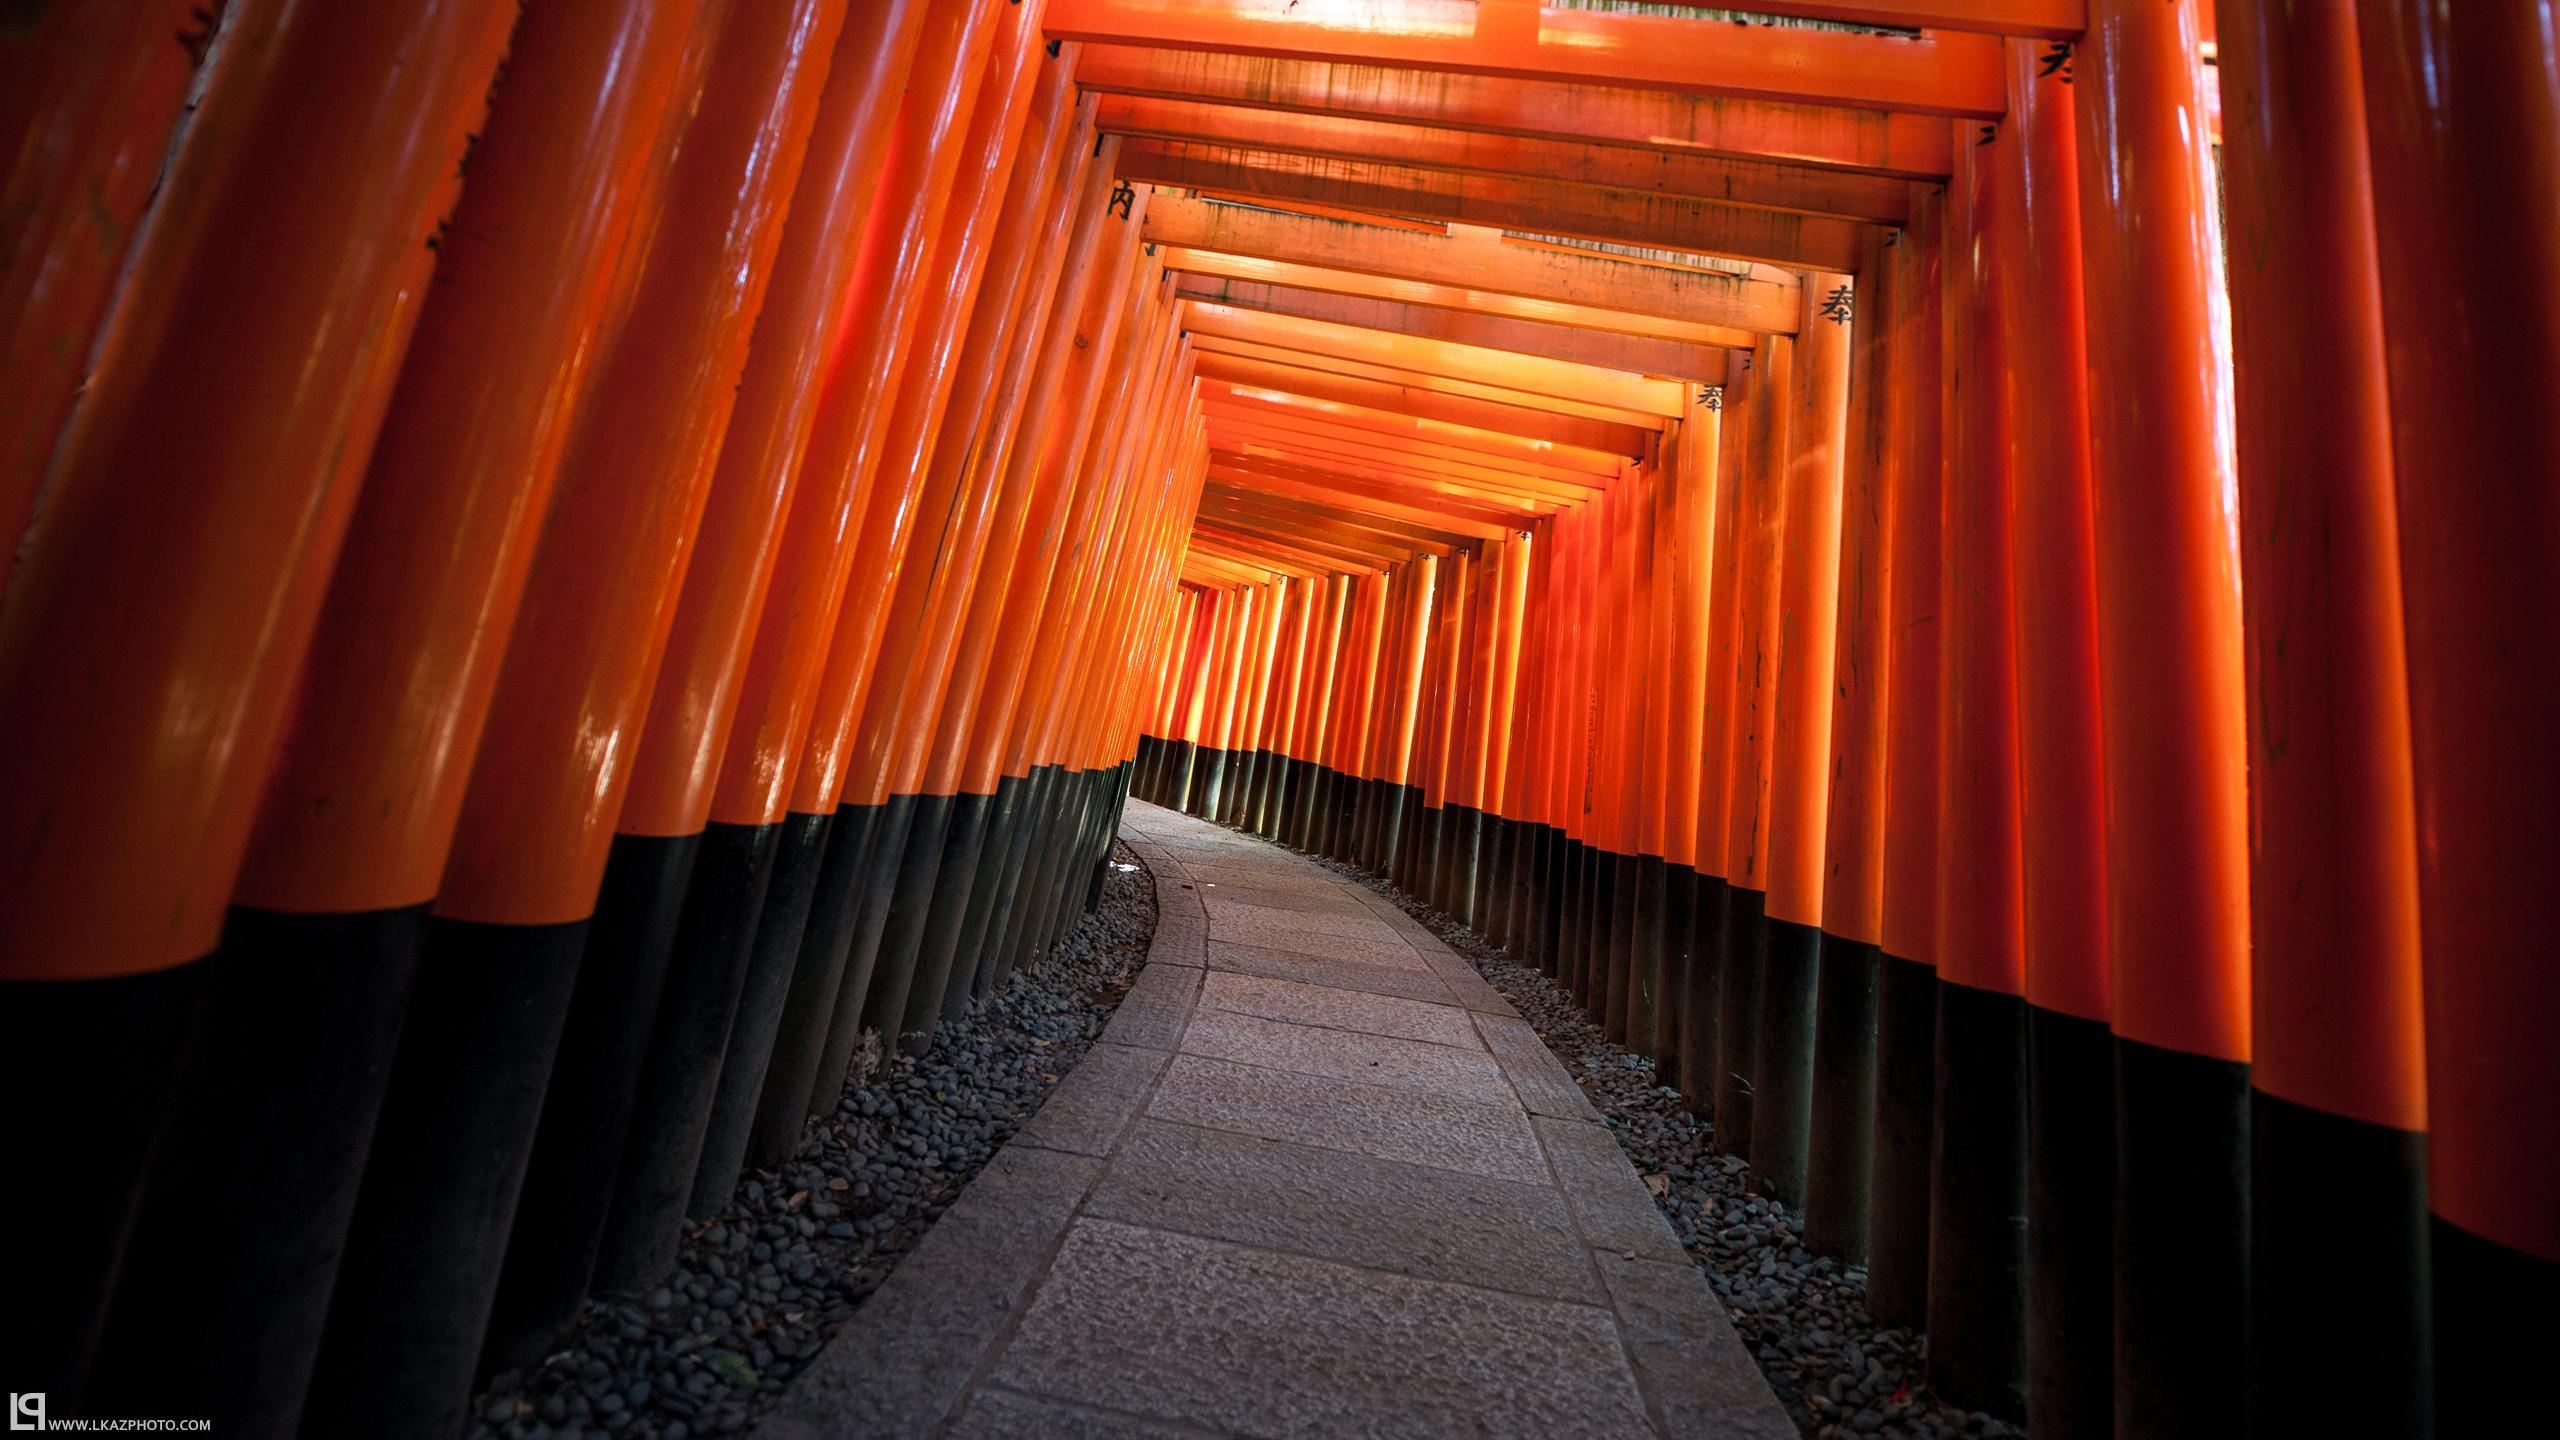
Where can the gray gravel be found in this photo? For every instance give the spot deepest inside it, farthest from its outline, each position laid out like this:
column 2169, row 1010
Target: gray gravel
column 1803, row 1317
column 756, row 1292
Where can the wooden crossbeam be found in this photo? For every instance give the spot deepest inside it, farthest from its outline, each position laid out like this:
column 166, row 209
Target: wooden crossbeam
column 1931, row 73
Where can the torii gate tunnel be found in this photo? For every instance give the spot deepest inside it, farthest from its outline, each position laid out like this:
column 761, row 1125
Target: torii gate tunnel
column 1979, row 578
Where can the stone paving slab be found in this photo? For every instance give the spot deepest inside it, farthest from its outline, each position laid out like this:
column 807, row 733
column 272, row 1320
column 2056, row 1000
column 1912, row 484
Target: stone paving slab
column 1317, row 1180
column 1376, row 1120
column 1392, row 950
column 1301, row 1003
column 1179, row 1328
column 1417, row 1065
column 1152, row 1014
column 1535, row 1072
column 1402, row 1219
column 1411, row 982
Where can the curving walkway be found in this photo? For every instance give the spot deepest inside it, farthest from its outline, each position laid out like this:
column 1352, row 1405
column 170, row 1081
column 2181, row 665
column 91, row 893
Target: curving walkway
column 1319, row 1180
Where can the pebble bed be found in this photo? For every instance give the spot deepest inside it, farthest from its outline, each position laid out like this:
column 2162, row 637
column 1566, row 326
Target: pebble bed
column 757, row 1291
column 1803, row 1317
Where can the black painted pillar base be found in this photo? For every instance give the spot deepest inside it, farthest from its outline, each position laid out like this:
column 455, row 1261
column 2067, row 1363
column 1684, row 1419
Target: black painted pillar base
column 874, row 880
column 773, row 969
column 1391, row 819
column 1898, row 1185
column 917, row 864
column 586, row 1107
column 1678, row 928
column 1547, row 900
column 2495, row 1309
column 2071, row 1186
column 1009, row 921
column 1493, row 880
column 1646, row 981
column 1208, row 781
column 2182, row 1241
column 1570, row 934
column 1978, row 1203
column 107, row 1056
column 973, row 964
column 227, row 1273
column 941, row 991
column 1782, row 1059
column 672, row 1111
column 1619, row 999
column 420, row 1268
column 1840, row 1145
column 1746, row 934
column 2339, row 1268
column 818, row 974
column 1702, row 1017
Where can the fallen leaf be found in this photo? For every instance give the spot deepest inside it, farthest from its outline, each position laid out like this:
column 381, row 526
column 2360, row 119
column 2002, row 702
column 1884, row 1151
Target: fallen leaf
column 1658, row 1183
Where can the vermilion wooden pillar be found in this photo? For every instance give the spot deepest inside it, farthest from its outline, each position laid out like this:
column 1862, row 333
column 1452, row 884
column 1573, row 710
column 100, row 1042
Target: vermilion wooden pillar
column 2462, row 110
column 2174, row 717
column 2070, row 1062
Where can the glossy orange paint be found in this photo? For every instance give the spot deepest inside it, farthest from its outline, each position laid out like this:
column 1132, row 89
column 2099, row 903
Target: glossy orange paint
column 1585, row 212
column 1945, row 74
column 90, row 95
column 1807, row 607
column 1981, row 916
column 1094, row 342
column 1466, row 304
column 702, row 676
column 2061, row 794
column 1475, row 258
column 1692, row 582
column 2337, row 1008
column 1907, row 907
column 1760, row 520
column 1880, row 142
column 2169, row 648
column 1734, row 400
column 1631, row 353
column 1853, row 830
column 1754, row 183
column 555, row 759
column 1029, row 491
column 569, row 166
column 970, row 456
column 160, row 610
column 1557, row 379
column 2464, row 138
column 912, row 408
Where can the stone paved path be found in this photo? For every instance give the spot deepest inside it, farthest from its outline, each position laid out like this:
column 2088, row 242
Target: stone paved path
column 1318, row 1180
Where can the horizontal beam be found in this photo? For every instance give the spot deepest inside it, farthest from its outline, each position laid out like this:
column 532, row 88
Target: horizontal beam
column 1222, row 498
column 1592, row 384
column 2034, row 19
column 1876, row 142
column 1764, row 300
column 1354, row 543
column 1931, row 73
column 1757, row 183
column 1229, row 540
column 1456, row 299
column 1600, row 466
column 1245, row 435
column 1318, row 362
column 1375, row 501
column 1433, row 501
column 1413, row 400
column 1632, row 353
column 1398, row 451
column 1622, row 217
